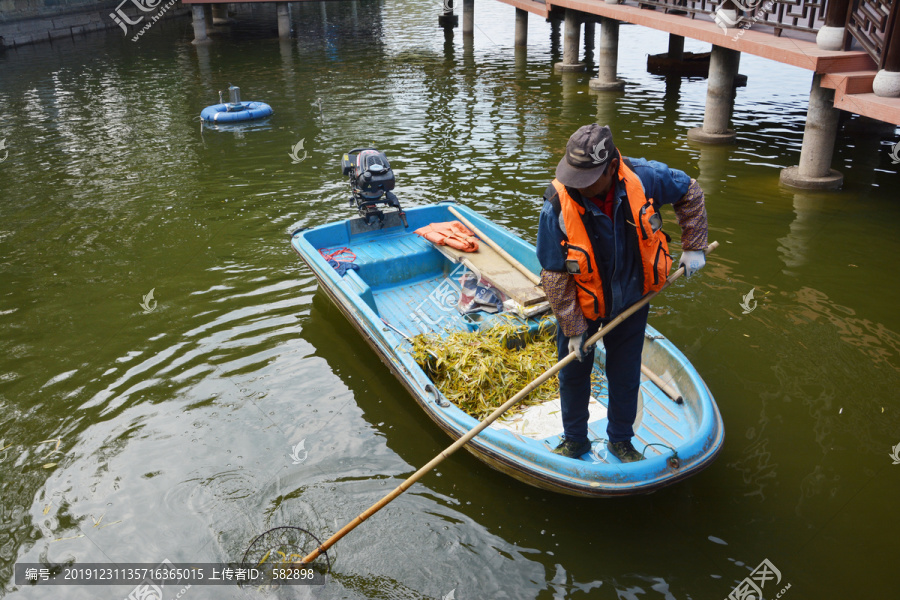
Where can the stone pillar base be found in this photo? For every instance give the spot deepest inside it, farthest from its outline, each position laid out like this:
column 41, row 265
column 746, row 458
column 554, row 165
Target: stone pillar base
column 607, row 86
column 562, row 67
column 698, row 135
column 830, row 38
column 791, row 177
column 887, row 84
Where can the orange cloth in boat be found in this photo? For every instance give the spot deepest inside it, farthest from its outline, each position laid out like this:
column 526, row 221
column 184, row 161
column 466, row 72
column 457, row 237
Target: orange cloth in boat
column 452, row 233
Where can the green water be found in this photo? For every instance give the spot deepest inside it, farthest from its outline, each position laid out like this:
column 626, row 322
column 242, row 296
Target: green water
column 176, row 426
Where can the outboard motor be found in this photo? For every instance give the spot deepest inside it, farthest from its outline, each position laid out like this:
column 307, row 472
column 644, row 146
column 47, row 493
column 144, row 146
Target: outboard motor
column 371, row 182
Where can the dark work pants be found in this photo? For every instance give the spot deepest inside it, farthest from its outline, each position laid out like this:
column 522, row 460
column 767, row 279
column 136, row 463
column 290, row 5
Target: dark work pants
column 623, row 372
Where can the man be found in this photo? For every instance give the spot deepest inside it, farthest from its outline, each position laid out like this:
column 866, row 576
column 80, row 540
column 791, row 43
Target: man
column 601, row 245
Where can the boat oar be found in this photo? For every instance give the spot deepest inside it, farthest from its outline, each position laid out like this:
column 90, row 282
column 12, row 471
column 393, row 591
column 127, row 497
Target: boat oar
column 405, row 485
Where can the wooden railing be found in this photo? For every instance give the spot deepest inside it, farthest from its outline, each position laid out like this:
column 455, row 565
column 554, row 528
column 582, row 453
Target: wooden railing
column 873, row 23
column 802, row 15
column 692, row 7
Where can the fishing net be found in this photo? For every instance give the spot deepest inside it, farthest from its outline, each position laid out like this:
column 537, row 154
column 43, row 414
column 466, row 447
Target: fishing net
column 283, row 549
column 479, row 371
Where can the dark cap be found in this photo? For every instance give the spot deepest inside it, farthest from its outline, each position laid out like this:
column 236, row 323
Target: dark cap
column 588, row 152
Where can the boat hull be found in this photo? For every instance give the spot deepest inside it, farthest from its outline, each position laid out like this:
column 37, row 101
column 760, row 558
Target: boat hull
column 525, row 459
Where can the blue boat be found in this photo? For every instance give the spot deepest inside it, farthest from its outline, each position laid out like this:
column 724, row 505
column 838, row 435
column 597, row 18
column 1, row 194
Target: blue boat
column 403, row 285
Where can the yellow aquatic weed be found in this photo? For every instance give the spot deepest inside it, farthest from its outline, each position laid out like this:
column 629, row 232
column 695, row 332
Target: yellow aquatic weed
column 479, row 371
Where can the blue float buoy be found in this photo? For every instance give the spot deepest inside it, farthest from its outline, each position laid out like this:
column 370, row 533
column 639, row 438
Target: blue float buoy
column 229, row 113
column 235, row 110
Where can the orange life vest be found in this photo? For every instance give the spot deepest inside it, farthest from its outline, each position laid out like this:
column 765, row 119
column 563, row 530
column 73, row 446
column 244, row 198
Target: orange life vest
column 651, row 241
column 451, row 233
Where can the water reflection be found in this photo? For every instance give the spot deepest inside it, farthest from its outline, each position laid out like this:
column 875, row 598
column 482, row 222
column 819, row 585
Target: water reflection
column 176, row 427
column 714, row 167
column 794, row 248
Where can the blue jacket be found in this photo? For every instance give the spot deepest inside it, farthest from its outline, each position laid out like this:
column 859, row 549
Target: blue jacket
column 620, row 264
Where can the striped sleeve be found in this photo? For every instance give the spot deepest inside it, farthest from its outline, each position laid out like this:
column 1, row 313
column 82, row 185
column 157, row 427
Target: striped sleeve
column 691, row 213
column 563, row 298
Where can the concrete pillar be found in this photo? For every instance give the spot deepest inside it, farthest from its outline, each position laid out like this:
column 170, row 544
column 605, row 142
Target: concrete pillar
column 199, row 22
column 521, row 27
column 676, row 47
column 220, row 14
column 207, row 17
column 819, row 134
column 608, row 57
column 720, row 92
column 570, row 44
column 283, row 10
column 468, row 17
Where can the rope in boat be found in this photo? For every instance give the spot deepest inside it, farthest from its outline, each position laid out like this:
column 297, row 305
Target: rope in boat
column 339, row 255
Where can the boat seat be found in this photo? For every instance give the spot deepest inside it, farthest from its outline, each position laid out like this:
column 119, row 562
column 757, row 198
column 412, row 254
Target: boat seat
column 395, row 259
column 362, row 289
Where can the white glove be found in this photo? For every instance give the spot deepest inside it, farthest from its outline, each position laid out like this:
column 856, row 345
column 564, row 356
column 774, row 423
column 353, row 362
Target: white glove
column 692, row 261
column 575, row 345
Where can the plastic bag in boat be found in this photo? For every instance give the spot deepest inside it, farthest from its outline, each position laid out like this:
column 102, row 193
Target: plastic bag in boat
column 478, row 295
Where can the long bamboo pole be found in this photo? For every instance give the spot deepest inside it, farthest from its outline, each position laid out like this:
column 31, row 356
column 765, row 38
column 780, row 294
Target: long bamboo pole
column 405, row 485
column 667, row 389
